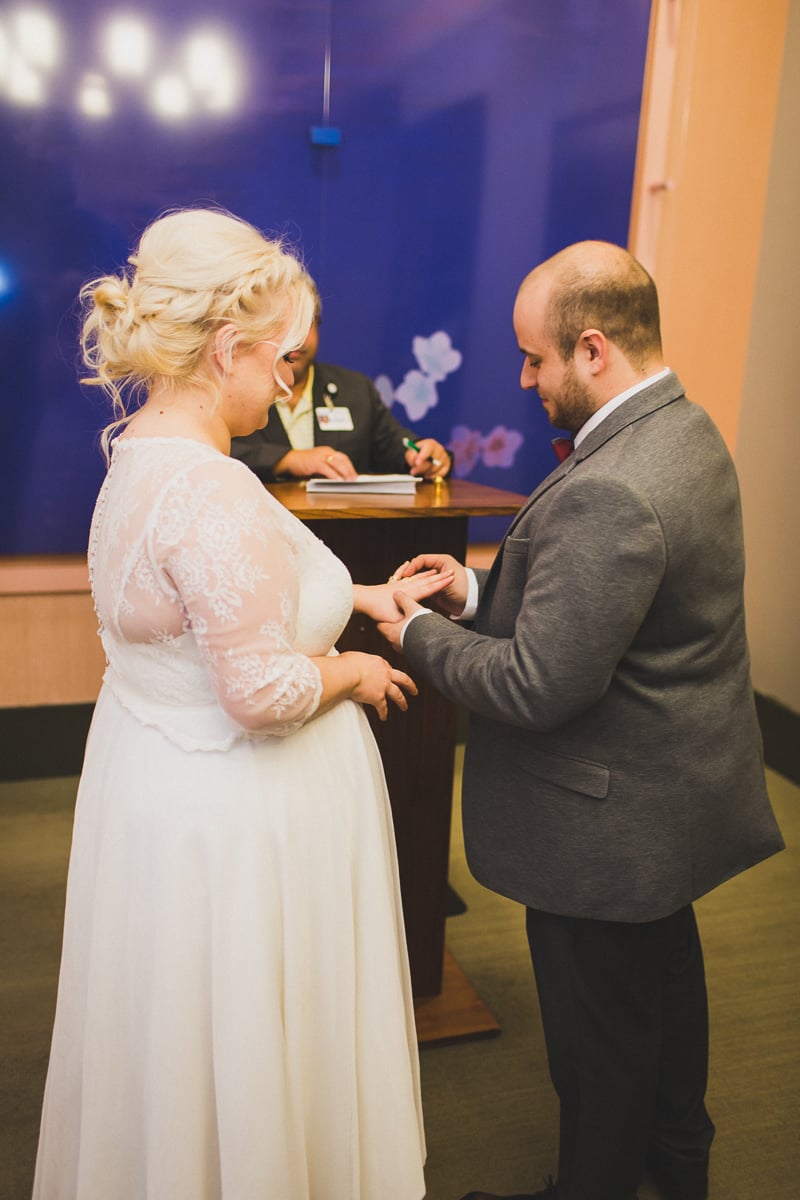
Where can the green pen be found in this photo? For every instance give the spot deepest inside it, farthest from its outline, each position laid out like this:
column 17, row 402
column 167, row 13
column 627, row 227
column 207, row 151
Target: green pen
column 411, row 445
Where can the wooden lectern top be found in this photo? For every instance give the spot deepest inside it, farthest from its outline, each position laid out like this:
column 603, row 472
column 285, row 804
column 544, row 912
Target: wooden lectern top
column 456, row 498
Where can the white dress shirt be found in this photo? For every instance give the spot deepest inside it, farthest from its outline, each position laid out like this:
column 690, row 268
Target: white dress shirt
column 299, row 421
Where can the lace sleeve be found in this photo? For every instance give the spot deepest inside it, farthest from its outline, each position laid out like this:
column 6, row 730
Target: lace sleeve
column 218, row 545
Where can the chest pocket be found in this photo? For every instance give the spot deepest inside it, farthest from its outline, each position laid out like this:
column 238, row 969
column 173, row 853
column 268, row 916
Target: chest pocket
column 498, row 615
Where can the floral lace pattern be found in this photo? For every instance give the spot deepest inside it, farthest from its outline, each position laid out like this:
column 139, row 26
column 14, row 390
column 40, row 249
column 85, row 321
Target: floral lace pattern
column 210, row 595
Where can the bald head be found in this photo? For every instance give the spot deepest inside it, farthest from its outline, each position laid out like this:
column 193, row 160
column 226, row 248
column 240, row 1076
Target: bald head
column 597, row 285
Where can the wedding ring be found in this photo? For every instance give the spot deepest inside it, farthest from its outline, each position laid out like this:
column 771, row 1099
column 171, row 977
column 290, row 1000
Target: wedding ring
column 329, row 459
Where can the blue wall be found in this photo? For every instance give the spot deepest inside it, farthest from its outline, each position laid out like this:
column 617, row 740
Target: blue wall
column 477, row 137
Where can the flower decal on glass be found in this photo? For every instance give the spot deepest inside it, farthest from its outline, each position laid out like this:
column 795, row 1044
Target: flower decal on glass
column 466, row 445
column 500, row 446
column 495, row 449
column 417, row 393
column 436, row 356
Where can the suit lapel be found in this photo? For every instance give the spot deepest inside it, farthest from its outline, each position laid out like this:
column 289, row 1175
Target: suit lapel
column 316, row 400
column 319, row 399
column 659, row 394
column 275, row 431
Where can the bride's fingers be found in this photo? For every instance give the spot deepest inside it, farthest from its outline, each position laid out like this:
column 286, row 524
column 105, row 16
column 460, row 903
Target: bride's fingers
column 401, row 680
column 402, row 572
column 398, row 698
column 430, row 583
column 396, row 576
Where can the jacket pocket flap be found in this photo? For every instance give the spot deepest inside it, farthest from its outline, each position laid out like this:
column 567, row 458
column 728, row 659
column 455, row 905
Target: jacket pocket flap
column 577, row 774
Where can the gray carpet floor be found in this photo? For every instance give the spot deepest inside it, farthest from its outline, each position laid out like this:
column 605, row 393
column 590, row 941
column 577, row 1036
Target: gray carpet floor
column 489, row 1110
column 490, row 1114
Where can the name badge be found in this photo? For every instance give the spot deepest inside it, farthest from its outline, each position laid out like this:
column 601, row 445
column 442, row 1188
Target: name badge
column 336, row 418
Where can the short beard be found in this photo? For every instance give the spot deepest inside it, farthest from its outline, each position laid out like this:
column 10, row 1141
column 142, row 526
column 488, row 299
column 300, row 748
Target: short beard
column 573, row 405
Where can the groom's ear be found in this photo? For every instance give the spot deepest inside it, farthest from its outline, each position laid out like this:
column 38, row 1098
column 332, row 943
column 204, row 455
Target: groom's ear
column 591, row 351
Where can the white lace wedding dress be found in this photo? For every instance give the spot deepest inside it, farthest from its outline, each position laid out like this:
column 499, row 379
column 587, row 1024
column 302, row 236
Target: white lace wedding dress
column 234, row 1017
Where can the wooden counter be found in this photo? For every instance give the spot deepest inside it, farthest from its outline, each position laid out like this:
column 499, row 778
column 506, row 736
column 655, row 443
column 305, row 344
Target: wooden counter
column 373, row 535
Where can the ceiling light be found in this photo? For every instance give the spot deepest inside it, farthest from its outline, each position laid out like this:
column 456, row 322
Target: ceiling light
column 5, row 53
column 36, row 37
column 128, row 46
column 93, row 97
column 213, row 71
column 170, row 97
column 24, row 84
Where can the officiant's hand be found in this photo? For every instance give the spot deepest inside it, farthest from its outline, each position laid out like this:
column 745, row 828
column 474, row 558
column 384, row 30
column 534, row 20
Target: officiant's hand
column 377, row 601
column 319, row 460
column 428, row 458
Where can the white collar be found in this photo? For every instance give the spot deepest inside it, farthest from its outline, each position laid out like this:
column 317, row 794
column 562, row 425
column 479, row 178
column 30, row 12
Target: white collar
column 303, row 404
column 606, row 409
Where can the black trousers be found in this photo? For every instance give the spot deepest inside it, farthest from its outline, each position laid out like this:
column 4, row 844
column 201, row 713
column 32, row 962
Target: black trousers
column 625, row 1019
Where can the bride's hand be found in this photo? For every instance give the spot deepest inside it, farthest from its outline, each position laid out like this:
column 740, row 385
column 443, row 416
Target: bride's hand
column 377, row 601
column 379, row 683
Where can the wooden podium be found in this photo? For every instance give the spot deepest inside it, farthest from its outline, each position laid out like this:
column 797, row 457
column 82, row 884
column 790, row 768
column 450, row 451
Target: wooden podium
column 373, row 535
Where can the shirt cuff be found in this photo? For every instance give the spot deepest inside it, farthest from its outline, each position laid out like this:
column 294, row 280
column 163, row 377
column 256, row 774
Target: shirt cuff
column 423, row 612
column 469, row 610
column 471, row 607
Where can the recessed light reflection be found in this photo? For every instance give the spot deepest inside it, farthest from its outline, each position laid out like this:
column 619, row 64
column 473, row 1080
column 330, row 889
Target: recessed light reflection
column 213, row 71
column 5, row 53
column 128, row 46
column 36, row 37
column 170, row 97
column 24, row 85
column 93, row 97
column 203, row 74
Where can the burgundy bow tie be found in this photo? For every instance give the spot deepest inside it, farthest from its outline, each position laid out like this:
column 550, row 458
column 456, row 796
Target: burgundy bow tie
column 563, row 447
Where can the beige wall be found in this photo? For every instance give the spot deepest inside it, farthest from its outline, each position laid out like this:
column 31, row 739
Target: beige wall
column 701, row 182
column 714, row 219
column 768, row 445
column 49, row 649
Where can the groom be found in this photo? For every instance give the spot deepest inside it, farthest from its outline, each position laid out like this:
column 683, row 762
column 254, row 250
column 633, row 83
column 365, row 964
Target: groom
column 613, row 770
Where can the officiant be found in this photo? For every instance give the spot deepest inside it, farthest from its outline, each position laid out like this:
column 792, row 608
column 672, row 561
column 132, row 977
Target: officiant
column 334, row 425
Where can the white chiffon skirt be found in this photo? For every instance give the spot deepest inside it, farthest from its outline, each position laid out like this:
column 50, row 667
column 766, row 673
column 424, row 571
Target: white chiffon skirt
column 234, row 1017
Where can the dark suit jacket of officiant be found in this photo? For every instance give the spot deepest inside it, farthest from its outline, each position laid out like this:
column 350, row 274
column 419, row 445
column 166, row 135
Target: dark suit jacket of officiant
column 374, row 445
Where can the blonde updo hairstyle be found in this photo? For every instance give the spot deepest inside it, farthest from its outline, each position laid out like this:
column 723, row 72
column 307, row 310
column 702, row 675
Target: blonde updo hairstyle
column 195, row 273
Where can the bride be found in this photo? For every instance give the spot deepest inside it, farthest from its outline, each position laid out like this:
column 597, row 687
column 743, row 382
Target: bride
column 234, row 1016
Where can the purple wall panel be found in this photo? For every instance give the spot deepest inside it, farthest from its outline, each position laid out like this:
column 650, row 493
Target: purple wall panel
column 477, row 137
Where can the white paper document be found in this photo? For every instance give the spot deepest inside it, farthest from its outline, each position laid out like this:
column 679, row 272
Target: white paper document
column 387, row 484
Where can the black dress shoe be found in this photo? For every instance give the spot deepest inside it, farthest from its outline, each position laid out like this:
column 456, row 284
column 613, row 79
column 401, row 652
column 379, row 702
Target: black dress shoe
column 548, row 1192
column 494, row 1196
column 516, row 1196
column 679, row 1181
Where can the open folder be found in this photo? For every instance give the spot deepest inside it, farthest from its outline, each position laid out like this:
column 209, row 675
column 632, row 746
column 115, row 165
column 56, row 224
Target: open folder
column 391, row 484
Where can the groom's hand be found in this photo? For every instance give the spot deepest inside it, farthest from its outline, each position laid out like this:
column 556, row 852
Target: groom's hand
column 406, row 607
column 451, row 599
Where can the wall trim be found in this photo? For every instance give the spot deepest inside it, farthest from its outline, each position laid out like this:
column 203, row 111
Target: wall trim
column 780, row 729
column 39, row 743
column 43, row 742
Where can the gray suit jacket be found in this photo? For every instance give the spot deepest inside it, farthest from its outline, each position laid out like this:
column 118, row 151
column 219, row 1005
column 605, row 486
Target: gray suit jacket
column 613, row 765
column 374, row 444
